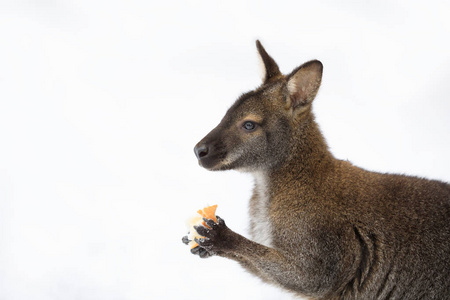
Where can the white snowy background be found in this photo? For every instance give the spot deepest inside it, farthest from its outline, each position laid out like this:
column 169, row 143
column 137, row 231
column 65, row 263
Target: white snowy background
column 102, row 102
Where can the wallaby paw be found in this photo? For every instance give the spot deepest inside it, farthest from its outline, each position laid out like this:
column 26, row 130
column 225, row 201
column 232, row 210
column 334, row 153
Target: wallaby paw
column 216, row 236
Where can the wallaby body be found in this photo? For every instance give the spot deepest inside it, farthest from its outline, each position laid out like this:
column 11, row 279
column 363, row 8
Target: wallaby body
column 321, row 227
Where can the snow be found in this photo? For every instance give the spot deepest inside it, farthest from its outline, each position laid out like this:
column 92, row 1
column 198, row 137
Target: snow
column 102, row 102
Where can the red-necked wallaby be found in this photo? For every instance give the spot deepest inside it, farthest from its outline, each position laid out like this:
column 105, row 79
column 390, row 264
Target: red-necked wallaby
column 321, row 227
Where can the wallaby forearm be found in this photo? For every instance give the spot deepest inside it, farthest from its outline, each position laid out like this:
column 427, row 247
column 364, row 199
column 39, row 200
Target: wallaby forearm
column 250, row 255
column 269, row 264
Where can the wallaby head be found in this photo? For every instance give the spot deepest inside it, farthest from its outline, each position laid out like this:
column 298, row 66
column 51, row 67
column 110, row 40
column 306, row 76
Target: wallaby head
column 263, row 126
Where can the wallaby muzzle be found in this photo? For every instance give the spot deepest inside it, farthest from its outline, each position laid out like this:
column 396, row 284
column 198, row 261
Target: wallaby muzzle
column 210, row 151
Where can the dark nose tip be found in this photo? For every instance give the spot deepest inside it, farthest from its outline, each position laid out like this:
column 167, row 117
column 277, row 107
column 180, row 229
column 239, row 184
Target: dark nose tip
column 201, row 151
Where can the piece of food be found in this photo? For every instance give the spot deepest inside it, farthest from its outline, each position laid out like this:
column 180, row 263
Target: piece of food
column 208, row 212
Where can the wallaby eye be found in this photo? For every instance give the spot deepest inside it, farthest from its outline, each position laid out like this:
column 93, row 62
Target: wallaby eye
column 249, row 125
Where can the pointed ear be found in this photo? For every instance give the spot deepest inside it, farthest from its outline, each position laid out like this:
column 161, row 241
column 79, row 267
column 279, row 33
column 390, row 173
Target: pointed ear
column 271, row 69
column 303, row 83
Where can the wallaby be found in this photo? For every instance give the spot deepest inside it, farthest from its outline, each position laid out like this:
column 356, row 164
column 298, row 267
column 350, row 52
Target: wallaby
column 321, row 227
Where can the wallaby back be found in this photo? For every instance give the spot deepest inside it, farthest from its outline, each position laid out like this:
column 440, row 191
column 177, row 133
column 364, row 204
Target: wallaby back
column 322, row 227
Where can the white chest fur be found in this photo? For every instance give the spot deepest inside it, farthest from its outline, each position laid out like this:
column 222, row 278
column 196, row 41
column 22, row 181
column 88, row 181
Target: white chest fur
column 261, row 228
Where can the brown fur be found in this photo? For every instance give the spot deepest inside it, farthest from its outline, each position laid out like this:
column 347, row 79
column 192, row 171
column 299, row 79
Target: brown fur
column 333, row 230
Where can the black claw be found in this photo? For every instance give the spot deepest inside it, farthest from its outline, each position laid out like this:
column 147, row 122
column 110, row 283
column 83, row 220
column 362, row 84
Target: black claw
column 220, row 221
column 200, row 251
column 195, row 250
column 185, row 240
column 205, row 243
column 210, row 223
column 202, row 230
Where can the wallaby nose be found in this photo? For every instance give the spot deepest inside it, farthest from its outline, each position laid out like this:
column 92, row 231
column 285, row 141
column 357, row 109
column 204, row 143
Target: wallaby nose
column 201, row 151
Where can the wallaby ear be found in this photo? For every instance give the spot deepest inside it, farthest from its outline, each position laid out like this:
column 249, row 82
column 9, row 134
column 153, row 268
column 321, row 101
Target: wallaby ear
column 303, row 83
column 271, row 69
